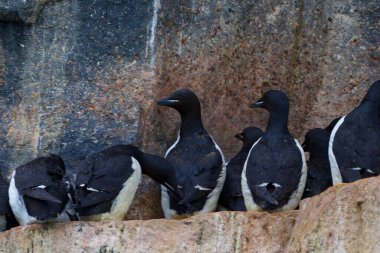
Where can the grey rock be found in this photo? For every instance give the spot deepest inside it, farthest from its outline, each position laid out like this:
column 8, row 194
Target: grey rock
column 21, row 10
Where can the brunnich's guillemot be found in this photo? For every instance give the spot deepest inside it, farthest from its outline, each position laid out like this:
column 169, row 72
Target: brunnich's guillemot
column 106, row 183
column 274, row 173
column 7, row 219
column 231, row 197
column 198, row 161
column 38, row 193
column 318, row 174
column 354, row 146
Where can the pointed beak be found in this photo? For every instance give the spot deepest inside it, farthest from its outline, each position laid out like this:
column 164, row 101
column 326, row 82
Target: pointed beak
column 239, row 136
column 167, row 102
column 258, row 104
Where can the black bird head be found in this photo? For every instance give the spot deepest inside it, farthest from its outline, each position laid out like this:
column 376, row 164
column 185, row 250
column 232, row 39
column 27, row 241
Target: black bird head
column 277, row 104
column 317, row 142
column 55, row 166
column 249, row 136
column 183, row 101
column 273, row 100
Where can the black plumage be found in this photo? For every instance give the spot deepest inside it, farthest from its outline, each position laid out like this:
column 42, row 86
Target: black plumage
column 159, row 169
column 319, row 174
column 275, row 171
column 7, row 219
column 354, row 148
column 100, row 179
column 196, row 158
column 38, row 193
column 232, row 196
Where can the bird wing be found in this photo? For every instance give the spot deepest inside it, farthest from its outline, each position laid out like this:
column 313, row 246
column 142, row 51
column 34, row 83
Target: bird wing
column 97, row 190
column 205, row 177
column 356, row 149
column 41, row 194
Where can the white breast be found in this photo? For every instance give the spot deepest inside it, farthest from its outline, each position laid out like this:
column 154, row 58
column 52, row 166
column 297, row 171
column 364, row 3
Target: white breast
column 17, row 204
column 335, row 172
column 294, row 198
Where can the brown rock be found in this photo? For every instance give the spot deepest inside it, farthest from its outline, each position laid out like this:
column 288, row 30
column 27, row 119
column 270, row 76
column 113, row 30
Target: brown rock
column 345, row 218
column 216, row 232
column 147, row 202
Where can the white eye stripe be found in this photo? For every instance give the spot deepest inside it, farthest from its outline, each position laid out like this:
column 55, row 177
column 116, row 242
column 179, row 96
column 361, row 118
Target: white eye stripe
column 41, row 186
column 81, row 185
column 370, row 171
column 263, row 184
column 277, row 185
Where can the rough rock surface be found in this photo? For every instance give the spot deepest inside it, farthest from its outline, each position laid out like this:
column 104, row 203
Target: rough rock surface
column 79, row 76
column 217, row 232
column 345, row 218
column 21, row 10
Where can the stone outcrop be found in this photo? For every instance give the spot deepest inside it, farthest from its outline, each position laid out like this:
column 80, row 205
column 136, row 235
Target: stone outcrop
column 217, row 232
column 344, row 219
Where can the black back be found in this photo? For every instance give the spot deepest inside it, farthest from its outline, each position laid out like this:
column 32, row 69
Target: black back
column 197, row 162
column 232, row 196
column 195, row 158
column 275, row 159
column 319, row 174
column 47, row 171
column 357, row 141
column 105, row 171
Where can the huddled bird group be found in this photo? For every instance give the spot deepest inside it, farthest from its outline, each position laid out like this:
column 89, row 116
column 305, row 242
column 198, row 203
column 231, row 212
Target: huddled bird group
column 269, row 173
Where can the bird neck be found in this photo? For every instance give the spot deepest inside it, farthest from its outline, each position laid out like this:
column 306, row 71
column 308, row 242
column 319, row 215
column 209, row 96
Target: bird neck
column 151, row 166
column 278, row 123
column 191, row 122
column 246, row 147
column 318, row 152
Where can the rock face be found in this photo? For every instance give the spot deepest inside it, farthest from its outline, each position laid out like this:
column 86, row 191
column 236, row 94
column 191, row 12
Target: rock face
column 79, row 76
column 344, row 219
column 217, row 232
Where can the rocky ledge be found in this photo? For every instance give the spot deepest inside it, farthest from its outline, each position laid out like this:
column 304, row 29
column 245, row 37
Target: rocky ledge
column 345, row 218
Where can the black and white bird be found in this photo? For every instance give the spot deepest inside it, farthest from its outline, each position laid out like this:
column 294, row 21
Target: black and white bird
column 231, row 197
column 198, row 161
column 354, row 146
column 38, row 193
column 318, row 174
column 274, row 174
column 106, row 183
column 7, row 219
